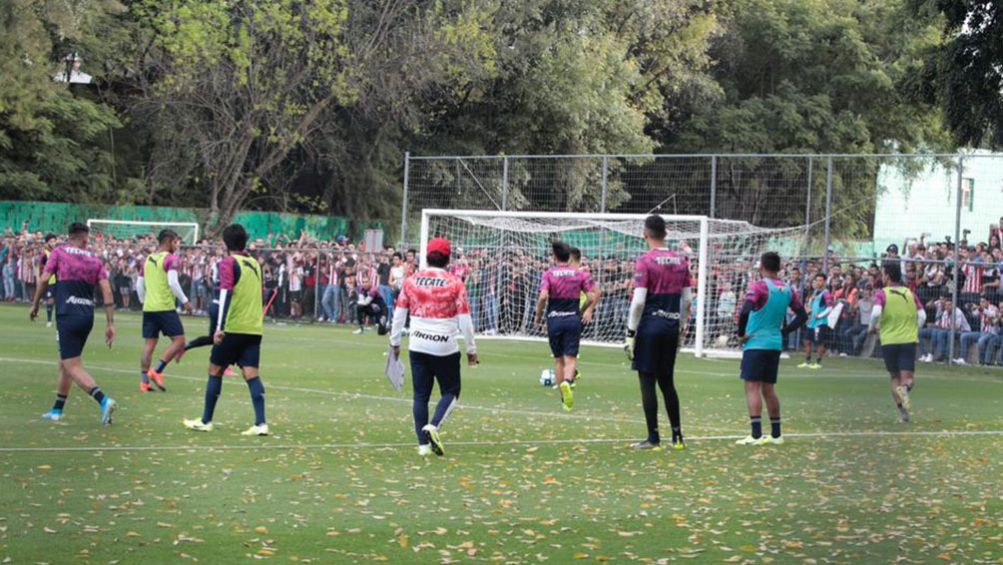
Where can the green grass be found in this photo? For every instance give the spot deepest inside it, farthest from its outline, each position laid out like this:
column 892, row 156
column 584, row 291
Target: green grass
column 340, row 481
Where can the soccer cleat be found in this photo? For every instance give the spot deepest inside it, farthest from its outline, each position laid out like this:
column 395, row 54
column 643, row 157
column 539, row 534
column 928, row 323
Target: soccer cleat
column 198, row 425
column 903, row 393
column 261, row 430
column 770, row 440
column 578, row 375
column 424, row 450
column 815, row 366
column 960, row 361
column 358, row 331
column 228, row 372
column 678, row 444
column 432, row 435
column 749, row 440
column 804, row 365
column 903, row 415
column 156, row 378
column 48, row 324
column 145, row 387
column 108, row 407
column 567, row 397
column 53, row 415
column 647, row 444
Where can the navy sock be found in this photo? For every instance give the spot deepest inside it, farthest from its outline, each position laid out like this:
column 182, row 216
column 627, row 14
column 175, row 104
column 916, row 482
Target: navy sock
column 96, row 394
column 677, row 434
column 775, row 427
column 48, row 312
column 143, row 378
column 257, row 391
column 212, row 391
column 60, row 402
column 757, row 426
column 161, row 365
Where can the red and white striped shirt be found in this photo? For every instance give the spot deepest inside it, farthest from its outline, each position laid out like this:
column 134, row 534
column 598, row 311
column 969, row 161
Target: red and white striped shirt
column 440, row 311
column 973, row 278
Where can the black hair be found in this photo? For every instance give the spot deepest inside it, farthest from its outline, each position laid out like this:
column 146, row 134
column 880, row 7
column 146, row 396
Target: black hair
column 50, row 236
column 770, row 261
column 437, row 260
column 562, row 251
column 576, row 254
column 398, row 255
column 893, row 271
column 818, row 275
column 165, row 235
column 235, row 237
column 655, row 226
column 77, row 228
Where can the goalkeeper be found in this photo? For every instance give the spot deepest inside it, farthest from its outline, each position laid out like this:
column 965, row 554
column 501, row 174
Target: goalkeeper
column 371, row 304
column 655, row 324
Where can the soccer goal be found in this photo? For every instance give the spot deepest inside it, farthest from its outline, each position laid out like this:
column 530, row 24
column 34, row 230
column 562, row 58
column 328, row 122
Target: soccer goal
column 124, row 229
column 504, row 255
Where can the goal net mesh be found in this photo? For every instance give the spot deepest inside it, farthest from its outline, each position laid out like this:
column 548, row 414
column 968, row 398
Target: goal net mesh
column 122, row 230
column 503, row 257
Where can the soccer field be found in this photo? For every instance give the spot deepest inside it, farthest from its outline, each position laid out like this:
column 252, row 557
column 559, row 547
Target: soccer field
column 339, row 479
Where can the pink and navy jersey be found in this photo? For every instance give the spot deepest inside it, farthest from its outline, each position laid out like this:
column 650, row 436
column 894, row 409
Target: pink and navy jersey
column 435, row 299
column 78, row 272
column 665, row 274
column 759, row 293
column 564, row 285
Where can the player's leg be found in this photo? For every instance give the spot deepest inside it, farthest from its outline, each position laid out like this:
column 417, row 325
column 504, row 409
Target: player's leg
column 447, row 372
column 423, row 378
column 248, row 359
column 752, row 377
column 807, row 349
column 667, row 384
column 773, row 409
column 169, row 323
column 222, row 356
column 62, row 393
column 649, row 403
column 75, row 369
column 205, row 340
column 822, row 335
column 50, row 303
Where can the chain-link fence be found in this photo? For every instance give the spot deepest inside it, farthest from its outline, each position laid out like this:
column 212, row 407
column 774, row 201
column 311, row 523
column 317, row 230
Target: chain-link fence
column 939, row 215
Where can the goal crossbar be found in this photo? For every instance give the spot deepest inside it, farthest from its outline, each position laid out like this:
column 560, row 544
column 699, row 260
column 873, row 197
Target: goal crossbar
column 193, row 225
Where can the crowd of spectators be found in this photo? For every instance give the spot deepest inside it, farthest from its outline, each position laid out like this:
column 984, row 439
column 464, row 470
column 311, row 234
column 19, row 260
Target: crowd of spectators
column 331, row 281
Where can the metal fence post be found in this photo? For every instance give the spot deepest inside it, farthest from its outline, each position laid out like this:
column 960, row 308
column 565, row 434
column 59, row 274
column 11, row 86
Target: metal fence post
column 407, row 173
column 605, row 180
column 713, row 186
column 504, row 199
column 807, row 206
column 957, row 261
column 828, row 217
column 316, row 287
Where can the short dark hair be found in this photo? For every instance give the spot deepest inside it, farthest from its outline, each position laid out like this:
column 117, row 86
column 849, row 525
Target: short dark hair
column 562, row 251
column 437, row 260
column 893, row 271
column 655, row 226
column 235, row 237
column 820, row 276
column 49, row 237
column 397, row 255
column 77, row 228
column 576, row 254
column 165, row 235
column 770, row 261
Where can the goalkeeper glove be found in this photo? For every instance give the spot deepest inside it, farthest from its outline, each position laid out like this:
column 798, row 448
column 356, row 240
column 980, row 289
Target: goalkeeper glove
column 628, row 345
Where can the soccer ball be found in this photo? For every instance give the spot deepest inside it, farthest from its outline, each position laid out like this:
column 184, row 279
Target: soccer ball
column 722, row 341
column 547, row 377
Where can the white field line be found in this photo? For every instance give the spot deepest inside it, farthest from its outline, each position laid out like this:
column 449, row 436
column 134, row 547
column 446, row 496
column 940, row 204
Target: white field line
column 394, row 445
column 397, row 399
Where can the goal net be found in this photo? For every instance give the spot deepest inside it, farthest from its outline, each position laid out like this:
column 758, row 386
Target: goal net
column 503, row 256
column 126, row 229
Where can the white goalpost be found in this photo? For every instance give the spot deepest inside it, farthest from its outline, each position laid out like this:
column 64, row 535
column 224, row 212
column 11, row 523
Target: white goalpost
column 121, row 229
column 504, row 255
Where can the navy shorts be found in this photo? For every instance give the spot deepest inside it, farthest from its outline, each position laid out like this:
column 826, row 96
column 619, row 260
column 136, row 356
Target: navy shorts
column 760, row 365
column 899, row 357
column 818, row 335
column 243, row 350
column 167, row 323
column 72, row 333
column 565, row 334
column 655, row 346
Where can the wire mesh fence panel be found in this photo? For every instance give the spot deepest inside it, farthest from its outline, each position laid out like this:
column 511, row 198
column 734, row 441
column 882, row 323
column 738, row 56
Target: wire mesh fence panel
column 665, row 185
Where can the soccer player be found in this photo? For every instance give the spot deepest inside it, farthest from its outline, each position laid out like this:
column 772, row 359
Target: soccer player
column 655, row 325
column 439, row 308
column 560, row 290
column 78, row 272
column 762, row 333
column 819, row 305
column 898, row 314
column 158, row 289
column 238, row 331
column 50, row 300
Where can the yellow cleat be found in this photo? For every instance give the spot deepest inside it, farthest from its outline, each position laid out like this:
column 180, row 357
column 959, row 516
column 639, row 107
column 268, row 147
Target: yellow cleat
column 770, row 440
column 261, row 430
column 804, row 365
column 567, row 397
column 749, row 440
column 903, row 393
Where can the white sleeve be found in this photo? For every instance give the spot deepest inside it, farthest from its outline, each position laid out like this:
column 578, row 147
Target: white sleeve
column 222, row 310
column 636, row 308
column 921, row 317
column 466, row 324
column 875, row 316
column 141, row 288
column 172, row 281
column 400, row 318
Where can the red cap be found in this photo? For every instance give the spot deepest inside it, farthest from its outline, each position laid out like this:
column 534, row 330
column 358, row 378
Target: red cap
column 439, row 245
